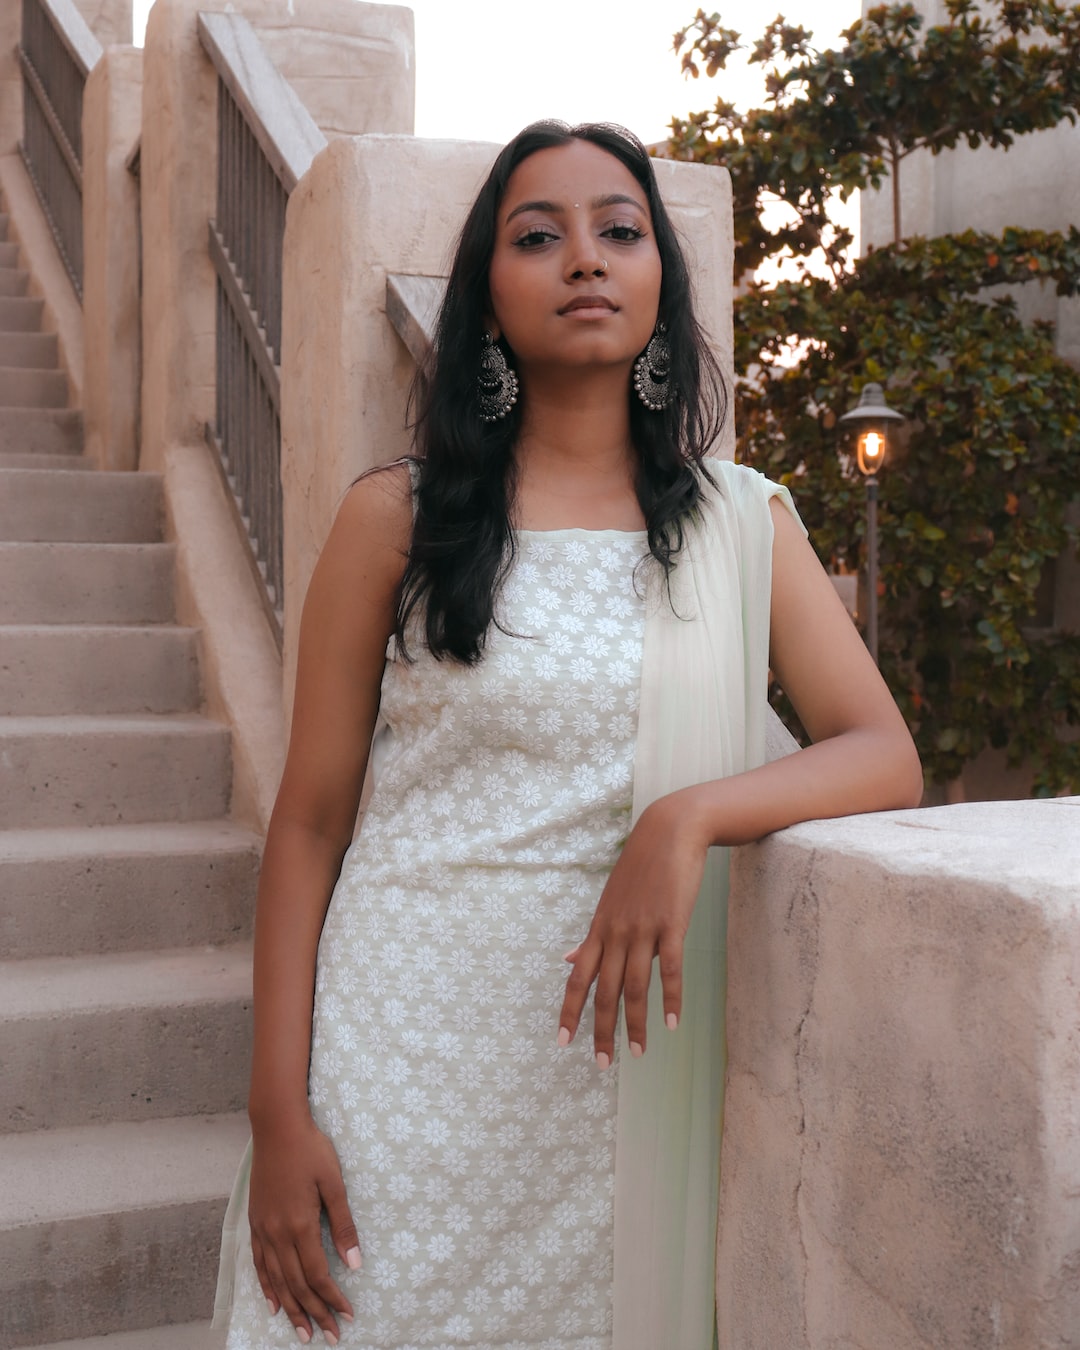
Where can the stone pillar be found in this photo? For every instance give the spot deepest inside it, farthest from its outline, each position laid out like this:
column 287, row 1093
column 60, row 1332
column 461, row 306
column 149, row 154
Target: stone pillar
column 108, row 20
column 391, row 204
column 352, row 64
column 11, row 118
column 901, row 1155
column 112, row 109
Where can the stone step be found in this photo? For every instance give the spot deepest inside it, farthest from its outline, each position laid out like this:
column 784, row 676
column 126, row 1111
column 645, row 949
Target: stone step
column 113, row 1228
column 33, row 388
column 40, row 431
column 20, row 313
column 9, row 254
column 85, row 1040
column 51, row 462
column 72, row 891
column 105, row 508
column 112, row 770
column 13, row 280
column 191, row 1336
column 61, row 668
column 86, row 583
column 35, row 351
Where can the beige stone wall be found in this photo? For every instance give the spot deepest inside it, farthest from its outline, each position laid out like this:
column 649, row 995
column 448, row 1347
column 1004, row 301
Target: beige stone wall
column 238, row 656
column 345, row 373
column 10, row 78
column 901, row 1158
column 108, row 20
column 179, row 167
column 112, row 108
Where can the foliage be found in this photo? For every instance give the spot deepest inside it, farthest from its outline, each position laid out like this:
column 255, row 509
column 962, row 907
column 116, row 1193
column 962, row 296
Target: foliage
column 974, row 497
column 841, row 120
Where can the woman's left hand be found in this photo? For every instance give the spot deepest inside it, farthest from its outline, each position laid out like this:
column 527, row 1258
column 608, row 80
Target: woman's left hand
column 644, row 911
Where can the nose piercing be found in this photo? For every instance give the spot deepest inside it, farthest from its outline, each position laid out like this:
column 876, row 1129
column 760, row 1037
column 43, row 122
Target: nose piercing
column 603, row 266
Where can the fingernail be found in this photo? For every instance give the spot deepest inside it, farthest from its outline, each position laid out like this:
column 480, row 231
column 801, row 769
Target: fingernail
column 672, row 1021
column 603, row 1061
column 570, row 954
column 329, row 1338
column 303, row 1335
column 636, row 1049
column 564, row 1036
column 345, row 1317
column 353, row 1258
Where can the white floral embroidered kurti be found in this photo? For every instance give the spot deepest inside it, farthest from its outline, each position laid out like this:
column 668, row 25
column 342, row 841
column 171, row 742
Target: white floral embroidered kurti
column 478, row 1155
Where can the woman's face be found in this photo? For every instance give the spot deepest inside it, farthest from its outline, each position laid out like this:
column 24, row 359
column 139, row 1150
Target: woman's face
column 575, row 274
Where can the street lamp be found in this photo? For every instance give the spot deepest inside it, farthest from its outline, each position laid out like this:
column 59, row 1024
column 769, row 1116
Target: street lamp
column 870, row 419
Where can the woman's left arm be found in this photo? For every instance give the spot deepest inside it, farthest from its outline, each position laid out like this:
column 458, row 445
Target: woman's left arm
column 862, row 759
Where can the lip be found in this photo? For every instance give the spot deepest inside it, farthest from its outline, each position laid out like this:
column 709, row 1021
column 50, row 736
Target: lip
column 589, row 302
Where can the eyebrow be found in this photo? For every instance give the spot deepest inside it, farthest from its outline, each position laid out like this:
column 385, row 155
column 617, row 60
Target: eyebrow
column 597, row 204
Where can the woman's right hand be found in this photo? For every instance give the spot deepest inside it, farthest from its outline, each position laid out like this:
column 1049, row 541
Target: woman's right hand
column 295, row 1175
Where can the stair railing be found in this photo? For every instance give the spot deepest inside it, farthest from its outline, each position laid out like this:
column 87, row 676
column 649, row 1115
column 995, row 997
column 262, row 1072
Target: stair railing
column 266, row 140
column 57, row 51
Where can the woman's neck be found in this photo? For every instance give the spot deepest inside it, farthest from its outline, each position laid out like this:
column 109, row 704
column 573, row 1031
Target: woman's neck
column 576, row 465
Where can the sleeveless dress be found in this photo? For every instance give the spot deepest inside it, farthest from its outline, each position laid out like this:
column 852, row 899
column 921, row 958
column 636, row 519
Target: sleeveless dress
column 509, row 1195
column 478, row 1155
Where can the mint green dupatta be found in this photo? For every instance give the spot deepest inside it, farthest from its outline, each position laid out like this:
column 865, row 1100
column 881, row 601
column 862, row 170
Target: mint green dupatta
column 702, row 716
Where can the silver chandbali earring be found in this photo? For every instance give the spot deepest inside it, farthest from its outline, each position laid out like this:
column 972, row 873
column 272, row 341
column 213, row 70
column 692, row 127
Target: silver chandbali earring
column 651, row 372
column 496, row 383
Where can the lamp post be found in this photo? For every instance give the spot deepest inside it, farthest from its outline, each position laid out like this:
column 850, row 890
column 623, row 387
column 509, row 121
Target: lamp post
column 870, row 419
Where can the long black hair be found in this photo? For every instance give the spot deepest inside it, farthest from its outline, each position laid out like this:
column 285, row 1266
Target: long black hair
column 463, row 541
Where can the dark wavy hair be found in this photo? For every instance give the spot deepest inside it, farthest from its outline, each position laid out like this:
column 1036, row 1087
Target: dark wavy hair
column 463, row 539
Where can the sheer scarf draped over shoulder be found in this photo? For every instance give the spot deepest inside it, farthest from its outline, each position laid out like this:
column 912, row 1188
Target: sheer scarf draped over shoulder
column 703, row 714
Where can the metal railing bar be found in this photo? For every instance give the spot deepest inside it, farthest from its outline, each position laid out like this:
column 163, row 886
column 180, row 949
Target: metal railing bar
column 41, row 98
column 282, row 126
column 253, row 332
column 273, row 611
column 74, row 32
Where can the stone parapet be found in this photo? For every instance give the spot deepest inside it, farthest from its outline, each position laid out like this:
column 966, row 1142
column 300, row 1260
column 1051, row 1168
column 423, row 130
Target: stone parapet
column 353, row 66
column 112, row 109
column 11, row 117
column 901, row 1157
column 108, row 20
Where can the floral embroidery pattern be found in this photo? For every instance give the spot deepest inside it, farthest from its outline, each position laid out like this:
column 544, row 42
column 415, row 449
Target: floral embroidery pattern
column 478, row 1156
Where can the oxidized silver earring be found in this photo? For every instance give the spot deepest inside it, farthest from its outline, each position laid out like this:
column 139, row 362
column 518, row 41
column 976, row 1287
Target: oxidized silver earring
column 496, row 383
column 651, row 372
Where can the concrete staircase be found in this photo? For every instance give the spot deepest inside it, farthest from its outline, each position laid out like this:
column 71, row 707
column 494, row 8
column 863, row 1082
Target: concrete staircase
column 125, row 894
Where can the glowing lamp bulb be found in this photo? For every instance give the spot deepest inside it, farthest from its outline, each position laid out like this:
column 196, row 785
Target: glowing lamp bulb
column 871, row 451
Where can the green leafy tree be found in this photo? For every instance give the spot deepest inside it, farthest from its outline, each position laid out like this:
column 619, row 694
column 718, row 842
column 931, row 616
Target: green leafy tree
column 974, row 505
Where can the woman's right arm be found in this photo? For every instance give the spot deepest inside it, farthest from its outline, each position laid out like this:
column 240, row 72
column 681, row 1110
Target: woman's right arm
column 348, row 616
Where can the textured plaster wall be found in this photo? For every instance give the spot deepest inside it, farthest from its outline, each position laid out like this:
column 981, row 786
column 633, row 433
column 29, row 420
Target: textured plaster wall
column 10, row 78
column 345, row 373
column 112, row 107
column 352, row 61
column 108, row 20
column 901, row 1157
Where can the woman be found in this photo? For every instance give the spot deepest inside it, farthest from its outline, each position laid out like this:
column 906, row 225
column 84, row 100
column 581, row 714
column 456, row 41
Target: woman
column 557, row 556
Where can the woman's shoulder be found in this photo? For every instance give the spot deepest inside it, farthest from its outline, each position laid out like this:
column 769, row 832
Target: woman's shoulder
column 382, row 499
column 372, row 531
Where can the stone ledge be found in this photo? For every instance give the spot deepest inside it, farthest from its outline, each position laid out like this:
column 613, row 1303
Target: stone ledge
column 901, row 1161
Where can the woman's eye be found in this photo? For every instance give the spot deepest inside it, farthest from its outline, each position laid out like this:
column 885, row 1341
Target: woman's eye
column 533, row 238
column 624, row 233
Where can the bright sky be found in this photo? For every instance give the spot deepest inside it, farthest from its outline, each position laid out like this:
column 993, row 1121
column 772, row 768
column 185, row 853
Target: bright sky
column 487, row 67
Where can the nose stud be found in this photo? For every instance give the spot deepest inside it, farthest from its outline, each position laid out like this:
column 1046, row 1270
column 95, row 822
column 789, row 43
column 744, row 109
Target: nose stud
column 603, row 266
